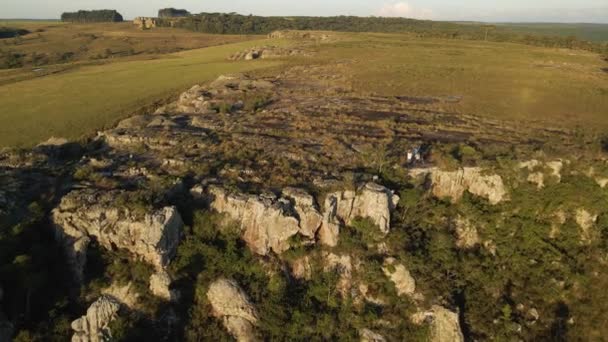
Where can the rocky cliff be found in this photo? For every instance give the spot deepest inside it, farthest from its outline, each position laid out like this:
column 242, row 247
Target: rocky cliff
column 82, row 215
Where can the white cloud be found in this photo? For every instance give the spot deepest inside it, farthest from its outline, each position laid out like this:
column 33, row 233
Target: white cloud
column 403, row 9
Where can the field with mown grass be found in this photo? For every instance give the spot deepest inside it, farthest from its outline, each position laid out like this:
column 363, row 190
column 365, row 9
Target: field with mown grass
column 88, row 98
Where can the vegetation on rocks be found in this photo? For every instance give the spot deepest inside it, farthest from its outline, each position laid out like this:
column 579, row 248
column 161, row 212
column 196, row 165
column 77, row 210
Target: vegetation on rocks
column 232, row 23
column 172, row 13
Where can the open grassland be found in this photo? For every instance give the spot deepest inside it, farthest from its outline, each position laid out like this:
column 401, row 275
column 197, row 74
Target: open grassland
column 498, row 80
column 518, row 83
column 591, row 32
column 79, row 102
column 49, row 43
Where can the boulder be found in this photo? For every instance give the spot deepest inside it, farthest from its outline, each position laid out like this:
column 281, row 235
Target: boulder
column 453, row 184
column 370, row 336
column 586, row 221
column 444, row 324
column 152, row 237
column 233, row 307
column 343, row 266
column 301, row 268
column 400, row 276
column 160, row 283
column 537, row 178
column 466, row 233
column 93, row 326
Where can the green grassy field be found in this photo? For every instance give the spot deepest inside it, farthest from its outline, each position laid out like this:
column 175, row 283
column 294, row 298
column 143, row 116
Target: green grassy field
column 591, row 32
column 556, row 87
column 498, row 80
column 89, row 98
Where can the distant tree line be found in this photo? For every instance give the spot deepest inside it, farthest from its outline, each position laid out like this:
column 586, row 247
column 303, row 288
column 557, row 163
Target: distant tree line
column 172, row 13
column 232, row 23
column 97, row 16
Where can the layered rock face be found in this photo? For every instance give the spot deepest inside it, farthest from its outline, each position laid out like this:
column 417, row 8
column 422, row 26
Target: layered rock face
column 93, row 327
column 84, row 214
column 233, row 307
column 453, row 184
column 267, row 223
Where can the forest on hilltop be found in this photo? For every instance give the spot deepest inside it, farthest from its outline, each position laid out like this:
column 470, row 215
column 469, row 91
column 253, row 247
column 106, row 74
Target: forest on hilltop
column 232, row 23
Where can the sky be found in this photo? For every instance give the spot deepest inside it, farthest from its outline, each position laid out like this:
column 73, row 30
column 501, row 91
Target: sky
column 588, row 11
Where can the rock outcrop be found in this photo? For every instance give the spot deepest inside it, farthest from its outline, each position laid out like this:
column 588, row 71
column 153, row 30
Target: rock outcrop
column 266, row 52
column 445, row 325
column 145, row 23
column 266, row 223
column 586, row 221
column 82, row 215
column 125, row 294
column 233, row 307
column 343, row 266
column 160, row 283
column 466, row 233
column 400, row 276
column 370, row 336
column 304, row 204
column 93, row 326
column 371, row 201
column 537, row 171
column 301, row 268
column 453, row 184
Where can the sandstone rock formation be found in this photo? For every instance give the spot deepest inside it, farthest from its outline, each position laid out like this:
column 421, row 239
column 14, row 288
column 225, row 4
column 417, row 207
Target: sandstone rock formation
column 370, row 336
column 330, row 227
column 371, row 201
column 125, row 294
column 343, row 266
column 159, row 286
column 93, row 327
column 301, row 268
column 267, row 52
column 537, row 168
column 86, row 214
column 586, row 221
column 145, row 23
column 233, row 307
column 466, row 233
column 445, row 325
column 266, row 223
column 304, row 204
column 400, row 276
column 453, row 184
